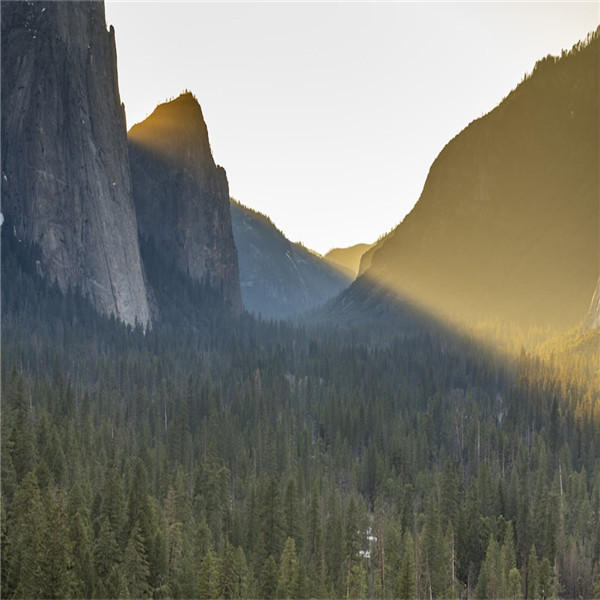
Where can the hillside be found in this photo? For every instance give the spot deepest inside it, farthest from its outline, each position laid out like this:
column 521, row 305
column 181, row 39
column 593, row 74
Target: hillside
column 507, row 224
column 279, row 278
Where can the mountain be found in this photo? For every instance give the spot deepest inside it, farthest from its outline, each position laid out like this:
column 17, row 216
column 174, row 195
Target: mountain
column 65, row 174
column 279, row 278
column 347, row 259
column 507, row 224
column 182, row 200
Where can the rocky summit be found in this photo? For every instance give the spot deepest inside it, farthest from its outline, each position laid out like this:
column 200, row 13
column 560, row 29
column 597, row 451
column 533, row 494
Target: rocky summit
column 182, row 197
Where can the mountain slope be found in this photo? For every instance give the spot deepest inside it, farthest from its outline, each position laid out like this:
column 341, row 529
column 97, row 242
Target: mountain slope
column 507, row 225
column 279, row 278
column 182, row 199
column 592, row 319
column 65, row 172
column 348, row 259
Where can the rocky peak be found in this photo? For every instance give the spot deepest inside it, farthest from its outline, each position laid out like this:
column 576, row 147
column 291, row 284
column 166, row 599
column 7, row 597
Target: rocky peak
column 182, row 197
column 176, row 132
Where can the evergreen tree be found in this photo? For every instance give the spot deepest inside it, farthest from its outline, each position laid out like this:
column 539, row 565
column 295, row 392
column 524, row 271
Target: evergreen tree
column 27, row 527
column 83, row 560
column 21, row 442
column 287, row 586
column 334, row 539
column 106, row 551
column 209, row 577
column 406, row 586
column 315, row 561
column 356, row 581
column 532, row 574
column 268, row 579
column 489, row 581
column 135, row 565
column 57, row 561
column 514, row 584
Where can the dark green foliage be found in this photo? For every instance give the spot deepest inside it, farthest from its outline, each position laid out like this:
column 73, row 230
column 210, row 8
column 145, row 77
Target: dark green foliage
column 135, row 565
column 268, row 579
column 405, row 584
column 189, row 462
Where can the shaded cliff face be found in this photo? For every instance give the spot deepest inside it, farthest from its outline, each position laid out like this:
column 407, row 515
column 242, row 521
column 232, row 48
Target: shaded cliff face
column 182, row 197
column 507, row 225
column 279, row 278
column 65, row 170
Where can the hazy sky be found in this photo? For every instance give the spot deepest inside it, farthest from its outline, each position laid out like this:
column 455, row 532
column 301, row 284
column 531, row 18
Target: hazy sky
column 327, row 116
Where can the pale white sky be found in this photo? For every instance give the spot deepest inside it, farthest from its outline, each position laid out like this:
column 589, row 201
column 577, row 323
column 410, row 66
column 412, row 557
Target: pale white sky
column 327, row 116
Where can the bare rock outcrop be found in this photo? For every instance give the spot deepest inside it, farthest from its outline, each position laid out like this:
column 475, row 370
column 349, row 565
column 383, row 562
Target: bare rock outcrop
column 182, row 197
column 65, row 172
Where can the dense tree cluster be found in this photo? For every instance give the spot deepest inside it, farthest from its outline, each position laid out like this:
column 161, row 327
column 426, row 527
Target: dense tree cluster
column 250, row 459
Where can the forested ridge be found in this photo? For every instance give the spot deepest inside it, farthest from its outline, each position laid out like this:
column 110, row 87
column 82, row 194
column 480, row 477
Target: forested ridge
column 240, row 458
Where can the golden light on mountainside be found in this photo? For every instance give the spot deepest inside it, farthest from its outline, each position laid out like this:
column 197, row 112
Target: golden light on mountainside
column 507, row 228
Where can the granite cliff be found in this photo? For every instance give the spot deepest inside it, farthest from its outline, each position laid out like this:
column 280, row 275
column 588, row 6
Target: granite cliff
column 65, row 173
column 182, row 197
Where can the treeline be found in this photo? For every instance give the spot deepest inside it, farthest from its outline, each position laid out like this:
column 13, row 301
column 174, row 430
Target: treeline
column 248, row 459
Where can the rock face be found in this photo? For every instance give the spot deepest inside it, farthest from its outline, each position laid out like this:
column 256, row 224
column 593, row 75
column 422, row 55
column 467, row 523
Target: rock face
column 592, row 319
column 279, row 278
column 348, row 259
column 182, row 197
column 507, row 225
column 65, row 172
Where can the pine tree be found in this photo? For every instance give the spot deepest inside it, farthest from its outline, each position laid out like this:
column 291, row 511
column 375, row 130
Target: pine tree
column 21, row 441
column 83, row 562
column 27, row 527
column 488, row 583
column 405, row 584
column 135, row 565
column 356, row 581
column 514, row 584
column 292, row 513
column 58, row 557
column 432, row 550
column 532, row 574
column 106, row 550
column 546, row 587
column 268, row 579
column 113, row 504
column 334, row 540
column 271, row 527
column 287, row 586
column 240, row 575
column 209, row 577
column 315, row 561
column 352, row 534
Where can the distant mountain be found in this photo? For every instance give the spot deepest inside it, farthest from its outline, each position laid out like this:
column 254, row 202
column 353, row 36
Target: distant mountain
column 507, row 225
column 182, row 203
column 347, row 259
column 279, row 278
column 65, row 174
